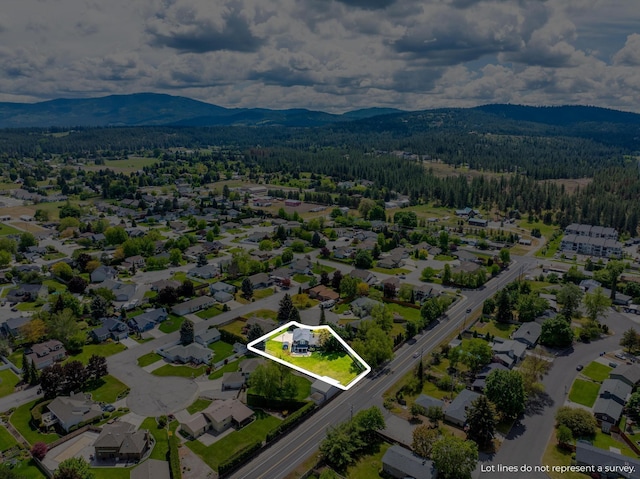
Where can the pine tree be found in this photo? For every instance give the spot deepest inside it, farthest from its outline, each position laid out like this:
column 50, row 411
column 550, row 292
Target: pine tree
column 323, row 319
column 33, row 374
column 26, row 369
column 286, row 305
column 481, row 421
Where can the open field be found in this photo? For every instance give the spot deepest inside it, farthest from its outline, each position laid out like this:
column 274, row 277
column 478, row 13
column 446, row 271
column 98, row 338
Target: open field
column 6, row 229
column 127, row 166
column 571, row 184
column 339, row 366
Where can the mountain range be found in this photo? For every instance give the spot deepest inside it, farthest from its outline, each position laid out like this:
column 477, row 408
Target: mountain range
column 152, row 109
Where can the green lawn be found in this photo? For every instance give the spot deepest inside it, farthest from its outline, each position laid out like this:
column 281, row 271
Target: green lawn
column 339, row 366
column 584, row 392
column 111, row 472
column 181, row 371
column 303, row 301
column 27, row 469
column 264, row 313
column 301, row 278
column 8, row 230
column 103, row 349
column 199, row 404
column 323, row 267
column 390, row 270
column 303, row 387
column 221, row 349
column 21, row 418
column 7, row 441
column 369, row 466
column 341, row 308
column 210, row 312
column 597, row 371
column 149, row 358
column 236, row 441
column 496, row 329
column 171, row 324
column 231, row 367
column 443, row 257
column 108, row 390
column 605, row 441
column 162, row 440
column 16, row 358
column 234, row 327
column 50, row 283
column 8, row 382
column 263, row 293
column 410, row 314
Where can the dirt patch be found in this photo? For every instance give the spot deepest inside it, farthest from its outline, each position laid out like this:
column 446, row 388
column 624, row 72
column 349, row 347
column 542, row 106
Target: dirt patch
column 25, row 226
column 17, row 211
column 193, row 467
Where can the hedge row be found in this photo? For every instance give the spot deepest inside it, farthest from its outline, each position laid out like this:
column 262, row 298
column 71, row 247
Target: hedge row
column 262, row 402
column 291, row 420
column 227, row 337
column 174, row 458
column 239, row 458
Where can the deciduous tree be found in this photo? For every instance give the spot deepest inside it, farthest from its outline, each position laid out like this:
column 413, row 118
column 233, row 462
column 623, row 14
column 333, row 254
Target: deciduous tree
column 454, row 458
column 506, row 390
column 424, row 437
column 481, row 421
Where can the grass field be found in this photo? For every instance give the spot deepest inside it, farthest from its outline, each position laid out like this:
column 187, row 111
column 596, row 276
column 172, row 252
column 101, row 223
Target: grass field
column 369, row 466
column 7, row 441
column 126, row 166
column 181, row 371
column 301, row 278
column 8, row 382
column 303, row 301
column 211, row 312
column 597, row 371
column 162, row 440
column 199, row 404
column 21, row 420
column 232, row 367
column 147, row 359
column 605, row 441
column 584, row 392
column 8, row 230
column 229, row 445
column 410, row 314
column 110, row 472
column 221, row 350
column 27, row 469
column 234, row 327
column 339, row 366
column 108, row 390
column 496, row 329
column 263, row 293
column 264, row 313
column 103, row 349
column 318, row 269
column 391, row 270
column 171, row 324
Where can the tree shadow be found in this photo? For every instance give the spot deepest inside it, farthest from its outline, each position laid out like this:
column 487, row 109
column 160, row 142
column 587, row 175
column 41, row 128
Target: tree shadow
column 538, row 403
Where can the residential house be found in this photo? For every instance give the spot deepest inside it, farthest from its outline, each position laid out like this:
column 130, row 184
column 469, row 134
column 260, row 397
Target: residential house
column 343, row 252
column 508, row 352
column 424, row 292
column 528, row 334
column 481, row 376
column 390, row 262
column 266, row 325
column 362, row 306
column 302, row 266
column 466, row 212
column 588, row 455
column 151, row 469
column 46, row 353
column 301, row 341
column 11, row 327
column 323, row 293
column 193, row 305
column 611, row 400
column 111, row 328
column 629, row 373
column 190, row 353
column 147, row 320
column 164, row 283
column 102, row 273
column 478, row 222
column 221, row 286
column 427, row 402
column 69, row 411
column 248, row 366
column 121, row 441
column 364, row 275
column 24, row 293
column 401, row 463
column 207, row 271
column 121, row 291
column 261, row 281
column 207, row 337
column 456, row 413
column 219, row 416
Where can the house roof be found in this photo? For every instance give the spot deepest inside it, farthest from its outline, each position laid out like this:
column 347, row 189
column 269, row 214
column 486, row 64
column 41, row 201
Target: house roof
column 67, row 408
column 208, row 335
column 123, row 436
column 631, row 372
column 591, row 455
column 232, row 378
column 302, row 334
column 528, row 331
column 219, row 410
column 617, row 388
column 259, row 278
column 151, row 469
column 608, row 406
column 458, row 407
column 408, row 463
column 250, row 365
column 428, row 401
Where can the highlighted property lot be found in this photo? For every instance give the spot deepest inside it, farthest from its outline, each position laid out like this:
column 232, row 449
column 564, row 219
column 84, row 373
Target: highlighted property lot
column 316, row 351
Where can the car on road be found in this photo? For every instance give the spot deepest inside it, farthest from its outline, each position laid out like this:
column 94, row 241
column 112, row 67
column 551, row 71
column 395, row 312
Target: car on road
column 613, row 365
column 402, row 276
column 620, row 356
column 109, row 408
column 579, row 367
column 416, row 355
column 468, row 310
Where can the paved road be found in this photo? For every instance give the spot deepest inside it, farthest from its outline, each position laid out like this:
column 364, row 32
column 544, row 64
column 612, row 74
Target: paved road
column 288, row 452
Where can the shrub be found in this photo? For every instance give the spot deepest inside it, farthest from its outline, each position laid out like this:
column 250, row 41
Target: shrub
column 39, row 450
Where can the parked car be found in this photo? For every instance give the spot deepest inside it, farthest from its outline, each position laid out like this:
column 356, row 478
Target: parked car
column 579, row 367
column 108, row 408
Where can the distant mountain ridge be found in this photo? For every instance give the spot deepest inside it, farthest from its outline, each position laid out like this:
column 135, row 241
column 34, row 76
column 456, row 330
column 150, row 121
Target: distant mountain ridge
column 153, row 109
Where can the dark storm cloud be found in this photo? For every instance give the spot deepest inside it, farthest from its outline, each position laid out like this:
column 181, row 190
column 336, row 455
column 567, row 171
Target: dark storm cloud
column 368, row 4
column 202, row 35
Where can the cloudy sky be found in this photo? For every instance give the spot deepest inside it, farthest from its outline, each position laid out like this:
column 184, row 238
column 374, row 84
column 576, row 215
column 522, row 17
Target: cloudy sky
column 332, row 55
